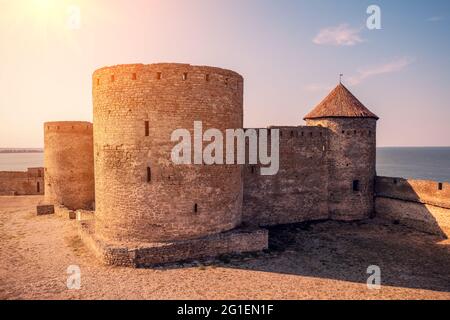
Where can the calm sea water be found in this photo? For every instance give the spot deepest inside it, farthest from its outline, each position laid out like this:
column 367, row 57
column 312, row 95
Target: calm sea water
column 20, row 161
column 430, row 163
column 419, row 163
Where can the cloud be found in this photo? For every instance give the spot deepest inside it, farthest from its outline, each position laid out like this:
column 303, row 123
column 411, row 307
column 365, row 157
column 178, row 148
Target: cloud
column 435, row 19
column 390, row 67
column 342, row 35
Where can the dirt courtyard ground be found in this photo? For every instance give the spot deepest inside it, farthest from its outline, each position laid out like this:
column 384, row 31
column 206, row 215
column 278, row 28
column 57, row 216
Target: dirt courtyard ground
column 325, row 260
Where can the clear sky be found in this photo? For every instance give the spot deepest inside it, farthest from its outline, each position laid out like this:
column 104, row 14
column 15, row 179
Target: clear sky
column 289, row 52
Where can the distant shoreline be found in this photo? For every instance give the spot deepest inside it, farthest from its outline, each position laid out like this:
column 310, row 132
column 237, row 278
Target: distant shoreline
column 24, row 150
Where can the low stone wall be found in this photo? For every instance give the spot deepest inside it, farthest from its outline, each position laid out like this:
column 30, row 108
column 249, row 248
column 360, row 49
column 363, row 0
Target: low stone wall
column 420, row 204
column 421, row 191
column 30, row 182
column 150, row 254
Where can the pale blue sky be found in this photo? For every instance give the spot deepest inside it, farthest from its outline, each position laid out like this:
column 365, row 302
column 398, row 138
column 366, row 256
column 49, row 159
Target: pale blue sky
column 289, row 52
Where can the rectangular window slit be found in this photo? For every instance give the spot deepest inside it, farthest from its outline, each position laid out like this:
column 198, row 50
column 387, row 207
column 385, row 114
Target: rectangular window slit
column 185, row 75
column 112, row 78
column 440, row 185
column 207, row 77
column 195, row 208
column 158, row 75
column 38, row 187
column 149, row 174
column 133, row 76
column 355, row 185
column 147, row 129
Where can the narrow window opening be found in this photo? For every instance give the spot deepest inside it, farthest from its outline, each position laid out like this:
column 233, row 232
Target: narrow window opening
column 149, row 174
column 195, row 208
column 343, row 131
column 158, row 75
column 38, row 187
column 370, row 133
column 133, row 76
column 98, row 81
column 310, row 134
column 147, row 129
column 292, row 133
column 440, row 186
column 253, row 169
column 185, row 75
column 112, row 78
column 207, row 77
column 303, row 134
column 355, row 185
column 354, row 131
column 395, row 181
column 226, row 81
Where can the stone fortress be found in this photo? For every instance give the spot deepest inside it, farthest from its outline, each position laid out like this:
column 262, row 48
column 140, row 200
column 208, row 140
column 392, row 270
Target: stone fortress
column 149, row 210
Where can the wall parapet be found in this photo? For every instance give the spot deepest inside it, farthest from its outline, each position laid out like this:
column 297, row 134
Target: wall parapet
column 421, row 191
column 420, row 204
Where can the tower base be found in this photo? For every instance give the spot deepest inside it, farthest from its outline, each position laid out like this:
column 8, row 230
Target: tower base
column 238, row 240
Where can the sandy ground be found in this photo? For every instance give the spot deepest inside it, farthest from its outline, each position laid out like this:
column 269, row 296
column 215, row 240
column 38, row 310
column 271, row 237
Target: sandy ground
column 309, row 261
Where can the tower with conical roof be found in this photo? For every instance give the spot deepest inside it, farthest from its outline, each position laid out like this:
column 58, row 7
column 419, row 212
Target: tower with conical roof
column 351, row 154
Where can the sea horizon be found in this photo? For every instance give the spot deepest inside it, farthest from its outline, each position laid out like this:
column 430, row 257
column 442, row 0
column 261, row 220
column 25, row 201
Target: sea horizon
column 421, row 163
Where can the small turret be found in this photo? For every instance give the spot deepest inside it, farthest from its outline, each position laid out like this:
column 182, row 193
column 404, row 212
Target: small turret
column 351, row 154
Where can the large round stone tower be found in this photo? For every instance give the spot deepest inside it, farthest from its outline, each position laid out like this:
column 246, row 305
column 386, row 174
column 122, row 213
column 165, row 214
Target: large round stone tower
column 69, row 164
column 141, row 195
column 351, row 154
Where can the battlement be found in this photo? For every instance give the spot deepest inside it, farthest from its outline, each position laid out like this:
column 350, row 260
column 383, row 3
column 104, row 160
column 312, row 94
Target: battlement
column 68, row 126
column 163, row 74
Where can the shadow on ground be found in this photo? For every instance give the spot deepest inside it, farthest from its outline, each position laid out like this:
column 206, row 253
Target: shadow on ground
column 343, row 251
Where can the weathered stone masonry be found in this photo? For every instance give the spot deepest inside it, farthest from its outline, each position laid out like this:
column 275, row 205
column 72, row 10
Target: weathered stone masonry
column 140, row 194
column 69, row 164
column 420, row 204
column 327, row 168
column 149, row 210
column 30, row 182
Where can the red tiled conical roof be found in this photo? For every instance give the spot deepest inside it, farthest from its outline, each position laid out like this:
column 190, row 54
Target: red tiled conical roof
column 340, row 103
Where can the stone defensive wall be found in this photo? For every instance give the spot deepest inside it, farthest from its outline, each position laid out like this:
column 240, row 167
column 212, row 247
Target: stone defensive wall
column 420, row 204
column 298, row 192
column 69, row 164
column 141, row 195
column 30, row 182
